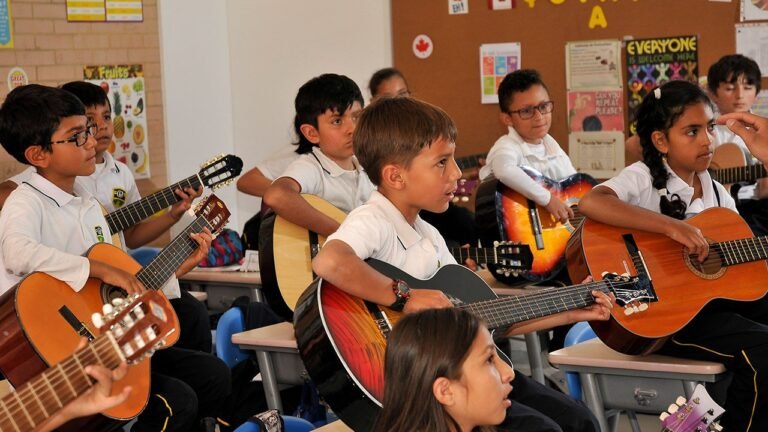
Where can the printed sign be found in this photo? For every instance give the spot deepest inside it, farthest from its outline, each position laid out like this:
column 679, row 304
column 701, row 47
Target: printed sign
column 496, row 61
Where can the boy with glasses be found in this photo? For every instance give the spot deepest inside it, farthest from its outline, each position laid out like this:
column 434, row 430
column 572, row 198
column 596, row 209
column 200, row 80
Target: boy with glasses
column 526, row 110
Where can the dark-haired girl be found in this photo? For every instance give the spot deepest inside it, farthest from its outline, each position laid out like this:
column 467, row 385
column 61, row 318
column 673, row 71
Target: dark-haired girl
column 670, row 184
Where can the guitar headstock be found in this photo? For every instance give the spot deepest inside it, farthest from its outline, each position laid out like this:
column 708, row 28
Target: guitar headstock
column 512, row 258
column 220, row 171
column 214, row 211
column 633, row 293
column 139, row 324
column 699, row 414
column 464, row 190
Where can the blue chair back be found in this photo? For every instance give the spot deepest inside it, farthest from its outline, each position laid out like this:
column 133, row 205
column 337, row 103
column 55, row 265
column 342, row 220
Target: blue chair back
column 231, row 322
column 144, row 255
column 580, row 332
column 292, row 424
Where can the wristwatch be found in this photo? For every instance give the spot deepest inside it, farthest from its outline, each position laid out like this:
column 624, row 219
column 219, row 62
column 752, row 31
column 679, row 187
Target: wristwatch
column 402, row 294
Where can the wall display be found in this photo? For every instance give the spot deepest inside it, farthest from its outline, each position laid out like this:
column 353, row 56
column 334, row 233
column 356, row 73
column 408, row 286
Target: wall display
column 124, row 85
column 593, row 64
column 501, row 4
column 422, row 46
column 105, row 10
column 652, row 62
column 496, row 61
column 6, row 36
column 457, row 7
column 596, row 111
column 754, row 10
column 760, row 107
column 599, row 154
column 752, row 41
column 17, row 77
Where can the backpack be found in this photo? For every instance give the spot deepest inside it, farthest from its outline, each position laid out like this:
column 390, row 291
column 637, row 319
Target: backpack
column 226, row 249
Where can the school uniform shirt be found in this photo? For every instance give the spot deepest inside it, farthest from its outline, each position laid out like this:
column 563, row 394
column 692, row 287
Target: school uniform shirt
column 43, row 228
column 634, row 185
column 318, row 175
column 723, row 135
column 378, row 230
column 511, row 152
column 274, row 166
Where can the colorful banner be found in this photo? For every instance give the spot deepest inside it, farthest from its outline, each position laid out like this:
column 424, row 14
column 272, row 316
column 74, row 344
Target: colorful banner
column 105, row 10
column 6, row 36
column 596, row 111
column 652, row 62
column 124, row 85
column 496, row 61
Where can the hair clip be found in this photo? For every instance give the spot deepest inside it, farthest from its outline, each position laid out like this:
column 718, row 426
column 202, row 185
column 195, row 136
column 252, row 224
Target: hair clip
column 663, row 192
column 657, row 93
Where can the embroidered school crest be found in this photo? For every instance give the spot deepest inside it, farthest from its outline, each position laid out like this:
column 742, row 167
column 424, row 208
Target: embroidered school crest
column 118, row 197
column 99, row 233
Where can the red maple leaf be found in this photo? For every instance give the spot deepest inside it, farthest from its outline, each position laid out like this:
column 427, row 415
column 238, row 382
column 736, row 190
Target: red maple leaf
column 422, row 45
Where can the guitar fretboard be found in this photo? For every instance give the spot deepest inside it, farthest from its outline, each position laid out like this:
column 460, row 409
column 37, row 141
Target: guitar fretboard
column 481, row 255
column 739, row 174
column 133, row 213
column 742, row 251
column 40, row 398
column 467, row 162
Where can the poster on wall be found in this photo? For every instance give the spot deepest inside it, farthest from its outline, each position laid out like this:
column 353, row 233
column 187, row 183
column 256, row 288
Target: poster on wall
column 599, row 154
column 596, row 111
column 496, row 61
column 760, row 107
column 754, row 10
column 105, row 10
column 124, row 85
column 652, row 62
column 6, row 35
column 752, row 41
column 593, row 64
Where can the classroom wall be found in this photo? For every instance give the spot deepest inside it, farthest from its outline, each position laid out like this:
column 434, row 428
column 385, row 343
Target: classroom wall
column 53, row 51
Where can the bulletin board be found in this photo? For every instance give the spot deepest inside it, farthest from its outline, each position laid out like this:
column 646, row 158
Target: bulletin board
column 450, row 77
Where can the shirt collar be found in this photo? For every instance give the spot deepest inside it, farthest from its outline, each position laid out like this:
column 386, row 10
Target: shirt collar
column 53, row 192
column 548, row 142
column 331, row 167
column 676, row 185
column 407, row 234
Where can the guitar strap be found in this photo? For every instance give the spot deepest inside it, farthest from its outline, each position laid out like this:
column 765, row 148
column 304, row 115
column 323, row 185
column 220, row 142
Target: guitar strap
column 717, row 194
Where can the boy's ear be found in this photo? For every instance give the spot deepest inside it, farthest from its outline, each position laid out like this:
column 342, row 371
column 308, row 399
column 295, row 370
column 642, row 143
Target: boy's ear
column 310, row 133
column 37, row 156
column 659, row 141
column 392, row 176
column 443, row 391
column 505, row 118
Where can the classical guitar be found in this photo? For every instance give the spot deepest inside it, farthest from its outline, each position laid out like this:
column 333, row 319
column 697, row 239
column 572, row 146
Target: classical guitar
column 342, row 338
column 729, row 165
column 698, row 414
column 216, row 173
column 504, row 214
column 294, row 247
column 680, row 286
column 64, row 312
column 131, row 331
column 468, row 183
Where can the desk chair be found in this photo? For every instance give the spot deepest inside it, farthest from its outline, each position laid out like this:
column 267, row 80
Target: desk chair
column 230, row 323
column 292, row 424
column 144, row 255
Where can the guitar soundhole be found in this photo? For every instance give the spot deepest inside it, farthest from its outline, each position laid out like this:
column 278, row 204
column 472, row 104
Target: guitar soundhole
column 711, row 268
column 109, row 293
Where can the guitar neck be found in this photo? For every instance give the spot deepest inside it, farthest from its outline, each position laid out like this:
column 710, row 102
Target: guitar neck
column 479, row 255
column 740, row 251
column 510, row 310
column 133, row 213
column 471, row 161
column 40, row 398
column 740, row 174
column 156, row 273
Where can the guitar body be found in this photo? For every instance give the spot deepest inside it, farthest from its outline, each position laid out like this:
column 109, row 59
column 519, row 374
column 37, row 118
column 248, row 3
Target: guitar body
column 291, row 258
column 681, row 290
column 343, row 346
column 48, row 341
column 728, row 155
column 504, row 214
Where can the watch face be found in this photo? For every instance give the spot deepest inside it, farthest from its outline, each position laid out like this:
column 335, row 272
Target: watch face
column 403, row 288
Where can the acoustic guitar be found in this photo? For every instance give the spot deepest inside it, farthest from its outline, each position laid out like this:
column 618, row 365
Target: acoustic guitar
column 729, row 165
column 342, row 338
column 42, row 318
column 294, row 247
column 698, row 414
column 504, row 214
column 468, row 183
column 132, row 330
column 679, row 285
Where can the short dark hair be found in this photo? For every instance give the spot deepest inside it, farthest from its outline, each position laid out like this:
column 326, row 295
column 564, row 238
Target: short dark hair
column 88, row 93
column 318, row 95
column 517, row 82
column 730, row 68
column 31, row 114
column 382, row 75
column 394, row 130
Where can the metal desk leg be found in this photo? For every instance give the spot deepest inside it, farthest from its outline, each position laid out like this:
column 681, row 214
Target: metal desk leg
column 593, row 398
column 256, row 294
column 533, row 346
column 269, row 380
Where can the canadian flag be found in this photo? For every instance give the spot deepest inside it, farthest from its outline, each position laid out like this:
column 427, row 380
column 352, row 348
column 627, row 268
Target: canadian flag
column 501, row 4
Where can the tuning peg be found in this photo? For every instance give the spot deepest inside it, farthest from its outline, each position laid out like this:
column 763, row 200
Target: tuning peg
column 680, row 401
column 672, row 408
column 116, row 302
column 97, row 320
column 663, row 416
column 716, row 427
column 643, row 307
column 628, row 310
column 464, row 199
column 107, row 309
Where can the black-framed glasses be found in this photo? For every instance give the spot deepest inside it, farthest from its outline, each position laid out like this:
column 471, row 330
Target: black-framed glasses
column 79, row 139
column 528, row 112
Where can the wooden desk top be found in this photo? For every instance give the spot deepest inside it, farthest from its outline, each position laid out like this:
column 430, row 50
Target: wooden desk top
column 275, row 336
column 233, row 277
column 336, row 426
column 594, row 353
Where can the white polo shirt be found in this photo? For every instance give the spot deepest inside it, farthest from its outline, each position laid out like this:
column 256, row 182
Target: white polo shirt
column 511, row 152
column 43, row 228
column 318, row 175
column 634, row 185
column 378, row 230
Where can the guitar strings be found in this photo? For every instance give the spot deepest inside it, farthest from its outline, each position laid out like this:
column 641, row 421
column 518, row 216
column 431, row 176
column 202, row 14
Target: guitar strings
column 119, row 218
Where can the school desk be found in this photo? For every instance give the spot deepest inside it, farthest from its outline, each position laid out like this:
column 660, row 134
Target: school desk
column 222, row 287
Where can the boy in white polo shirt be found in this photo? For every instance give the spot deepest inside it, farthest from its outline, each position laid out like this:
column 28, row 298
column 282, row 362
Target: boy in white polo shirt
column 407, row 147
column 327, row 108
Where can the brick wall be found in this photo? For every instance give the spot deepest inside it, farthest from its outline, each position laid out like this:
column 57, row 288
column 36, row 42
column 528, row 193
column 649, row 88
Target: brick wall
column 53, row 51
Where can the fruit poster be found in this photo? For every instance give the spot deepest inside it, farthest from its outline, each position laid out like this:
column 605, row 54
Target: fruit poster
column 124, row 85
column 496, row 61
column 652, row 62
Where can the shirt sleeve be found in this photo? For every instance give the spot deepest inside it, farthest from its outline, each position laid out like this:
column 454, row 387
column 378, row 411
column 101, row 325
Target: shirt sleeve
column 629, row 184
column 24, row 253
column 363, row 233
column 505, row 165
column 23, row 176
column 274, row 168
column 307, row 174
